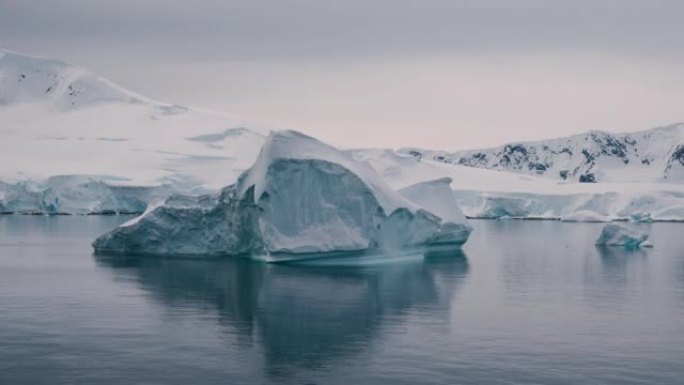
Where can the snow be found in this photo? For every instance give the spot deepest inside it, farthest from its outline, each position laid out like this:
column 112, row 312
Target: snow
column 482, row 193
column 26, row 78
column 76, row 143
column 435, row 196
column 301, row 196
column 137, row 140
column 614, row 234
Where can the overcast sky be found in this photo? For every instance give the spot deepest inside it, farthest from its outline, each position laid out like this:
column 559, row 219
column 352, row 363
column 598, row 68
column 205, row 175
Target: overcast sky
column 445, row 74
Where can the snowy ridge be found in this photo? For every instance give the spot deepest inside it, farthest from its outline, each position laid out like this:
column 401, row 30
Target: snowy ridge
column 652, row 155
column 26, row 78
column 57, row 117
column 300, row 197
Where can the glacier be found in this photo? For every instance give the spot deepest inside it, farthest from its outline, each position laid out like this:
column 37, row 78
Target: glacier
column 300, row 197
column 490, row 194
column 57, row 118
column 76, row 194
column 614, row 234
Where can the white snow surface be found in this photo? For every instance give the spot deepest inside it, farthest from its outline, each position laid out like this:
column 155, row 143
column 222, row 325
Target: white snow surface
column 59, row 119
column 614, row 234
column 482, row 193
column 300, row 197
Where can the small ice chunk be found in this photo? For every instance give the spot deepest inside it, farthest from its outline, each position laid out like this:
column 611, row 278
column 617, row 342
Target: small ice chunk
column 641, row 217
column 614, row 234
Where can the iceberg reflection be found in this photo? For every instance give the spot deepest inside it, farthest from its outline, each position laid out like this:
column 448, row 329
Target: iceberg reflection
column 302, row 316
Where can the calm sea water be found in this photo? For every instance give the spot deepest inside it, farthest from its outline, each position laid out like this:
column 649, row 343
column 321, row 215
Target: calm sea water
column 528, row 302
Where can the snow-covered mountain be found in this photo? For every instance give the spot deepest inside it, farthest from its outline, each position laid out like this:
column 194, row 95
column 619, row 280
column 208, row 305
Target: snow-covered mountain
column 492, row 194
column 652, row 155
column 77, row 143
column 57, row 119
column 30, row 79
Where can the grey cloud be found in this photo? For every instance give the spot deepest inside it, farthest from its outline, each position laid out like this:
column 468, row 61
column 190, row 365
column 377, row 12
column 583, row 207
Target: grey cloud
column 303, row 28
column 430, row 73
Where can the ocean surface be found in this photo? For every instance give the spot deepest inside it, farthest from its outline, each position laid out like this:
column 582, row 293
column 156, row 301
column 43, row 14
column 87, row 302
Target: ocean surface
column 526, row 302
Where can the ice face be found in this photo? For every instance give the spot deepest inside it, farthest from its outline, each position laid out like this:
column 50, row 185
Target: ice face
column 614, row 234
column 301, row 196
column 437, row 197
column 75, row 194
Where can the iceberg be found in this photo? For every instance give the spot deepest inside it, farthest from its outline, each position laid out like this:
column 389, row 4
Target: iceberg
column 614, row 234
column 641, row 217
column 301, row 196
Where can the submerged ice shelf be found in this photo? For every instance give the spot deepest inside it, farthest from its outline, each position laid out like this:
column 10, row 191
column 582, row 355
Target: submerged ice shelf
column 300, row 197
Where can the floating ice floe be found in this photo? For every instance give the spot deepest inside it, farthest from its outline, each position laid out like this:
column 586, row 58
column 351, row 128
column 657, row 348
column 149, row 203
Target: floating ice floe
column 614, row 234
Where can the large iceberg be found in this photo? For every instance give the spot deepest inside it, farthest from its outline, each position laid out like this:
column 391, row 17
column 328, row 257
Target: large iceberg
column 614, row 234
column 301, row 196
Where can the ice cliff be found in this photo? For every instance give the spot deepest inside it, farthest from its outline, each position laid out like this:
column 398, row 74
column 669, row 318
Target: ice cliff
column 76, row 194
column 300, row 196
column 61, row 120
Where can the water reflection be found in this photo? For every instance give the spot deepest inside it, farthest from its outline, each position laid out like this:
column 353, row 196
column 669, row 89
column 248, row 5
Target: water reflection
column 619, row 264
column 302, row 316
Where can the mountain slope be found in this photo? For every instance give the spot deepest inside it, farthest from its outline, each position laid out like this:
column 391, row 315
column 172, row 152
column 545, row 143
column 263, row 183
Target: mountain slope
column 26, row 78
column 651, row 155
column 77, row 143
column 59, row 119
